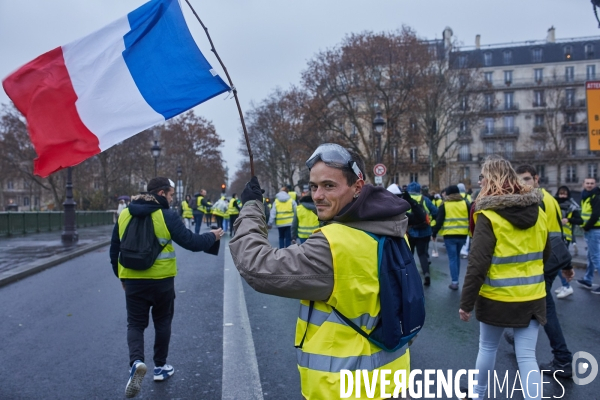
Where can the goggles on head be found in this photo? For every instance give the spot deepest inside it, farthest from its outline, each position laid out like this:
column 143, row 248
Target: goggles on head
column 331, row 153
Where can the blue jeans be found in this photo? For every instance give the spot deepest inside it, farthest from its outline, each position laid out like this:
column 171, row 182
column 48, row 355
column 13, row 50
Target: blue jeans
column 285, row 236
column 453, row 246
column 593, row 253
column 198, row 221
column 300, row 240
column 552, row 328
column 563, row 280
column 525, row 341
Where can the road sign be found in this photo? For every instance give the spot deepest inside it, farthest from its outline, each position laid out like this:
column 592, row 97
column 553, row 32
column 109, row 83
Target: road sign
column 378, row 180
column 379, row 170
column 592, row 92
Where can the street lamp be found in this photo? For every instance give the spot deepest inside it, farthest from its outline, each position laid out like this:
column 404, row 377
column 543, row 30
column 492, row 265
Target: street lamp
column 69, row 235
column 179, row 185
column 379, row 125
column 155, row 153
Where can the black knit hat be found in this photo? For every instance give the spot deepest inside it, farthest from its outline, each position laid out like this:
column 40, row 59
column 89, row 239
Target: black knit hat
column 452, row 189
column 159, row 183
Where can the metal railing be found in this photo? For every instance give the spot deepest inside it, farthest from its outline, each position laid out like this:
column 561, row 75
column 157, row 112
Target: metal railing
column 20, row 223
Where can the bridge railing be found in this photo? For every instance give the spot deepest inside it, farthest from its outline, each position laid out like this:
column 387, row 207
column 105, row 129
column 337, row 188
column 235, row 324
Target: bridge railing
column 20, row 223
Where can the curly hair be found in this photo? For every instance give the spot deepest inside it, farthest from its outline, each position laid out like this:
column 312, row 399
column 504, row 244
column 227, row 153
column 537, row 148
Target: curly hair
column 500, row 178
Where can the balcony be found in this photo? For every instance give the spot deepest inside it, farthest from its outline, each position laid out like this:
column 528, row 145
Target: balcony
column 573, row 104
column 583, row 154
column 510, row 107
column 571, row 179
column 464, row 136
column 499, row 133
column 571, row 129
column 538, row 104
column 539, row 129
column 464, row 157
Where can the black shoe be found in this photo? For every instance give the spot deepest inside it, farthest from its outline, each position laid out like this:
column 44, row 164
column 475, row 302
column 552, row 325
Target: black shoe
column 427, row 280
column 563, row 370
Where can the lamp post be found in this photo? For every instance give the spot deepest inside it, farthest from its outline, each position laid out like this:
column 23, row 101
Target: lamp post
column 69, row 235
column 155, row 153
column 179, row 186
column 379, row 125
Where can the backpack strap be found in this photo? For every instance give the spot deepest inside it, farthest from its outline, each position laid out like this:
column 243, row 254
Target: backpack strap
column 310, row 308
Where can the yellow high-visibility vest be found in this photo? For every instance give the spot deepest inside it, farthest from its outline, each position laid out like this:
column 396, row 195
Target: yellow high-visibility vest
column 456, row 220
column 232, row 210
column 330, row 345
column 187, row 210
column 517, row 270
column 165, row 265
column 201, row 207
column 553, row 214
column 308, row 221
column 586, row 210
column 284, row 212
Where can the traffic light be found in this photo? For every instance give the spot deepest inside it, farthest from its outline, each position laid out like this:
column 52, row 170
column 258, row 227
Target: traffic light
column 223, row 187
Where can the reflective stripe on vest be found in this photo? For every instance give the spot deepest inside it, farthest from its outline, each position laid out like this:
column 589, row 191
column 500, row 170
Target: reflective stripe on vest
column 456, row 221
column 586, row 210
column 165, row 265
column 330, row 345
column 187, row 210
column 232, row 210
column 517, row 270
column 284, row 212
column 201, row 208
column 308, row 221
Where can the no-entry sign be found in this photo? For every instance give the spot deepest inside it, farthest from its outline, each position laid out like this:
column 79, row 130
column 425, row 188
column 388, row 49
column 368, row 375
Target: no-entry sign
column 379, row 170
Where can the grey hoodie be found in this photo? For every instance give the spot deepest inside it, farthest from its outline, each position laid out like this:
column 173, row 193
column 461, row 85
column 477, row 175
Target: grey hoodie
column 283, row 197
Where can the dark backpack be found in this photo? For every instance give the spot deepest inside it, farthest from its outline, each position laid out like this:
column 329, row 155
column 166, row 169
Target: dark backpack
column 401, row 296
column 194, row 204
column 139, row 245
column 419, row 211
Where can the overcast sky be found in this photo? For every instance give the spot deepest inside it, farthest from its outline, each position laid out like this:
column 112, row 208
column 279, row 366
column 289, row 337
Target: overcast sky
column 266, row 44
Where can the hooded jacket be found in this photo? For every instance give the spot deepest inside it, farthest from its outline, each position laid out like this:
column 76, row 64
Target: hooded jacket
column 283, row 197
column 569, row 206
column 308, row 203
column 306, row 271
column 147, row 203
column 522, row 211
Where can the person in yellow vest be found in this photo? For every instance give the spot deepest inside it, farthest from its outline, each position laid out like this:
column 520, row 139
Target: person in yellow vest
column 154, row 287
column 437, row 200
column 200, row 210
column 219, row 210
column 233, row 211
column 561, row 364
column 187, row 214
column 452, row 222
column 505, row 273
column 290, row 190
column 571, row 215
column 590, row 213
column 282, row 215
column 335, row 267
column 306, row 220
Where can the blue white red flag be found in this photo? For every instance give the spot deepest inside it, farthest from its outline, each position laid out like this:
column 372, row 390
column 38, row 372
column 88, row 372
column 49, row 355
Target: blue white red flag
column 84, row 97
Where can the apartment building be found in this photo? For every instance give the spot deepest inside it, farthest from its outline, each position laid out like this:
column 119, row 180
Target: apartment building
column 533, row 109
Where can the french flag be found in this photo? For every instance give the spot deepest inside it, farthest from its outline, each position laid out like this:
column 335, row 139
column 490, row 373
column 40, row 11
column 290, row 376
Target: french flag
column 82, row 98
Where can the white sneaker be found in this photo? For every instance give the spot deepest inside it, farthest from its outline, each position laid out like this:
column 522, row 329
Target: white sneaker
column 163, row 373
column 434, row 254
column 136, row 376
column 560, row 289
column 566, row 291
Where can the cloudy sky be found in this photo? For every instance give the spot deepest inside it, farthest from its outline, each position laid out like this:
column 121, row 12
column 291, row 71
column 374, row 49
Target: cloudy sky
column 265, row 44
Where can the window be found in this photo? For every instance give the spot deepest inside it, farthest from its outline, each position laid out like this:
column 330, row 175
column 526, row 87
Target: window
column 433, row 50
column 464, row 103
column 489, row 148
column 466, row 173
column 540, row 145
column 569, row 74
column 487, row 59
column 462, row 61
column 414, row 177
column 590, row 71
column 572, row 173
column 354, row 131
column 538, row 74
column 10, row 184
column 464, row 153
column 589, row 51
column 570, row 97
column 538, row 98
column 571, row 146
column 507, row 57
column 541, row 170
column 96, row 183
column 509, row 124
column 413, row 155
column 508, row 77
column 508, row 100
column 394, row 154
column 593, row 171
column 36, row 201
column 26, row 184
column 489, row 126
column 536, row 55
column 570, row 118
column 489, row 76
column 488, row 101
column 539, row 120
column 568, row 52
column 464, row 127
column 25, row 201
column 508, row 149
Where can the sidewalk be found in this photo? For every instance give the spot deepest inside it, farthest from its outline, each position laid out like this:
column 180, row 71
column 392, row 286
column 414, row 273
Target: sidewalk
column 25, row 255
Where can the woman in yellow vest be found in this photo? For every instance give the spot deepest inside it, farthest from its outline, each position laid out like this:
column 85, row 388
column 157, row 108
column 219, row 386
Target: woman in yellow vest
column 187, row 212
column 505, row 274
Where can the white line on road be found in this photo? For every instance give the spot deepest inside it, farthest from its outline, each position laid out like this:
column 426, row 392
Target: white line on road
column 241, row 379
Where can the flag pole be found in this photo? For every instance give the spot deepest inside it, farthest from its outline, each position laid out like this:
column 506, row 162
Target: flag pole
column 237, row 101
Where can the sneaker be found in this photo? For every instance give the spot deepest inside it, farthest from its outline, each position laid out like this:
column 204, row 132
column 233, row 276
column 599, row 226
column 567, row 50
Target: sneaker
column 134, row 385
column 557, row 291
column 453, row 286
column 596, row 291
column 562, row 370
column 163, row 373
column 427, row 280
column 584, row 284
column 566, row 291
column 434, row 254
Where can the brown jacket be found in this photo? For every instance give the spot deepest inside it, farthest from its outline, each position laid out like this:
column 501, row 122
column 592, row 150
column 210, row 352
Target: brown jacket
column 522, row 211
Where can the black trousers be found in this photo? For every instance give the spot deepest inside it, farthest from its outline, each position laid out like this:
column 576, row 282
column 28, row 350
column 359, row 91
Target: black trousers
column 142, row 298
column 422, row 245
column 232, row 219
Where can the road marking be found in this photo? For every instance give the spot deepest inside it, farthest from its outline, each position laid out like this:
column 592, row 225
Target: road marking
column 241, row 379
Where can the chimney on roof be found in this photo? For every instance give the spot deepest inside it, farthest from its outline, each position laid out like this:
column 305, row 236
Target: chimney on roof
column 551, row 38
column 447, row 35
column 478, row 42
